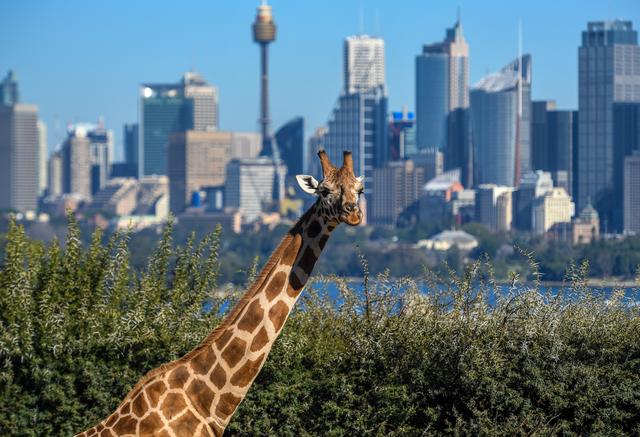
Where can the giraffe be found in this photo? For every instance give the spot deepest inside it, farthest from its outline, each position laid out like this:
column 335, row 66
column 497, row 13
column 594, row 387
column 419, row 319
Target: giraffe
column 198, row 394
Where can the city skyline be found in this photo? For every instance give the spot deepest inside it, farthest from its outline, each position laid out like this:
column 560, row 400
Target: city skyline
column 67, row 61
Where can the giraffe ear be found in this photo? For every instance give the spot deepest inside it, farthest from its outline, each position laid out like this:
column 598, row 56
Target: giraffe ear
column 308, row 183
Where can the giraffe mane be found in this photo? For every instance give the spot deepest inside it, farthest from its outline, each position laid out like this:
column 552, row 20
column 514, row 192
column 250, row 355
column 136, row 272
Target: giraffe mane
column 257, row 284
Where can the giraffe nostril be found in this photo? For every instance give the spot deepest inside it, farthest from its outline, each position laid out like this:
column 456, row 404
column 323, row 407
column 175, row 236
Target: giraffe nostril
column 350, row 207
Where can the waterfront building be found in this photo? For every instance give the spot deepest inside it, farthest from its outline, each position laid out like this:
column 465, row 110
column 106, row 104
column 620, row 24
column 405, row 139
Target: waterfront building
column 554, row 207
column 532, row 186
column 493, row 206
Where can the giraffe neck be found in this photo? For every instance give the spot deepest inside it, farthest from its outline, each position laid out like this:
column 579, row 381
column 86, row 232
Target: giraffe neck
column 246, row 336
column 257, row 320
column 198, row 394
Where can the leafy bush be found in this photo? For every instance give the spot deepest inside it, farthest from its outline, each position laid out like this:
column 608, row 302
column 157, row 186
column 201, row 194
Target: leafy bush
column 79, row 327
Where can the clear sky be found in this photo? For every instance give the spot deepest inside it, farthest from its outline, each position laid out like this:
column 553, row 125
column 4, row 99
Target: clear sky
column 79, row 60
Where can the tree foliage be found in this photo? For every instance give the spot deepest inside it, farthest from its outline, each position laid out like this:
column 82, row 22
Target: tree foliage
column 79, row 326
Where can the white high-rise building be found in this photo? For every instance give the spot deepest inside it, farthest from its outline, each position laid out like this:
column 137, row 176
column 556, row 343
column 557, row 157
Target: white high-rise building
column 363, row 63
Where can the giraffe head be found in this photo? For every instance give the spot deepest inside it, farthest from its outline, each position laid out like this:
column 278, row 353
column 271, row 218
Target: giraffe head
column 338, row 192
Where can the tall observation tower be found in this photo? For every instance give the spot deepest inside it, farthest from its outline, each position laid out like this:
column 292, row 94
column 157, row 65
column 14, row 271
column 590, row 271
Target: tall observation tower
column 264, row 32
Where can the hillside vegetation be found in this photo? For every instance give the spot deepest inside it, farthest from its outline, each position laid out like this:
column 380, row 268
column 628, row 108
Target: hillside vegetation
column 79, row 326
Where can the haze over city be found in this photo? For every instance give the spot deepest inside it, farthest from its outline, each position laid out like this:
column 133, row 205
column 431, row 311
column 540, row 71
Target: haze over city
column 78, row 61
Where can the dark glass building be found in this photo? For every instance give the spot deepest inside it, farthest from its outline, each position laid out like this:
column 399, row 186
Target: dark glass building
column 554, row 135
column 626, row 141
column 290, row 142
column 191, row 104
column 442, row 77
column 608, row 72
column 130, row 136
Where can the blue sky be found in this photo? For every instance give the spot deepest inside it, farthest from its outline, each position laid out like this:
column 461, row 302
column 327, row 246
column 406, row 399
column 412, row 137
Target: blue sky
column 79, row 60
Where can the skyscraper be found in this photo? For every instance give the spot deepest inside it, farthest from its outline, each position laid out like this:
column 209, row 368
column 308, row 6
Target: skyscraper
column 608, row 72
column 500, row 126
column 290, row 141
column 442, row 77
column 396, row 186
column 205, row 101
column 76, row 162
column 363, row 64
column 43, row 155
column 190, row 104
column 130, row 139
column 359, row 124
column 631, row 192
column 359, row 120
column 554, row 135
column 9, row 90
column 626, row 141
column 19, row 153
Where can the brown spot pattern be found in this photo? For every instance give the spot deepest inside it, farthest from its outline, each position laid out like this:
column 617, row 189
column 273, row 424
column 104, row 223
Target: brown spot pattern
column 201, row 396
column 203, row 361
column 185, row 425
column 227, row 404
column 252, row 317
column 323, row 241
column 154, row 391
column 139, row 405
column 275, row 286
column 247, row 372
column 295, row 281
column 218, row 376
column 314, row 229
column 259, row 340
column 234, row 352
column 107, row 433
column 278, row 314
column 124, row 410
column 150, row 424
column 126, row 425
column 308, row 260
column 224, row 338
column 112, row 419
column 178, row 377
column 172, row 405
column 291, row 252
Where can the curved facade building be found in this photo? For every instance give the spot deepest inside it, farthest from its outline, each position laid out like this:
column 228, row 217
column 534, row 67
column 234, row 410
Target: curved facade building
column 500, row 140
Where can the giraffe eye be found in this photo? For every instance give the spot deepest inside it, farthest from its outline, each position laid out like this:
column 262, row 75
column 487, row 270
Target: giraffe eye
column 324, row 191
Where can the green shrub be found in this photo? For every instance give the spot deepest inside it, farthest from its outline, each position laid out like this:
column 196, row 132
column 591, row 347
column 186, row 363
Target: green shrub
column 78, row 327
